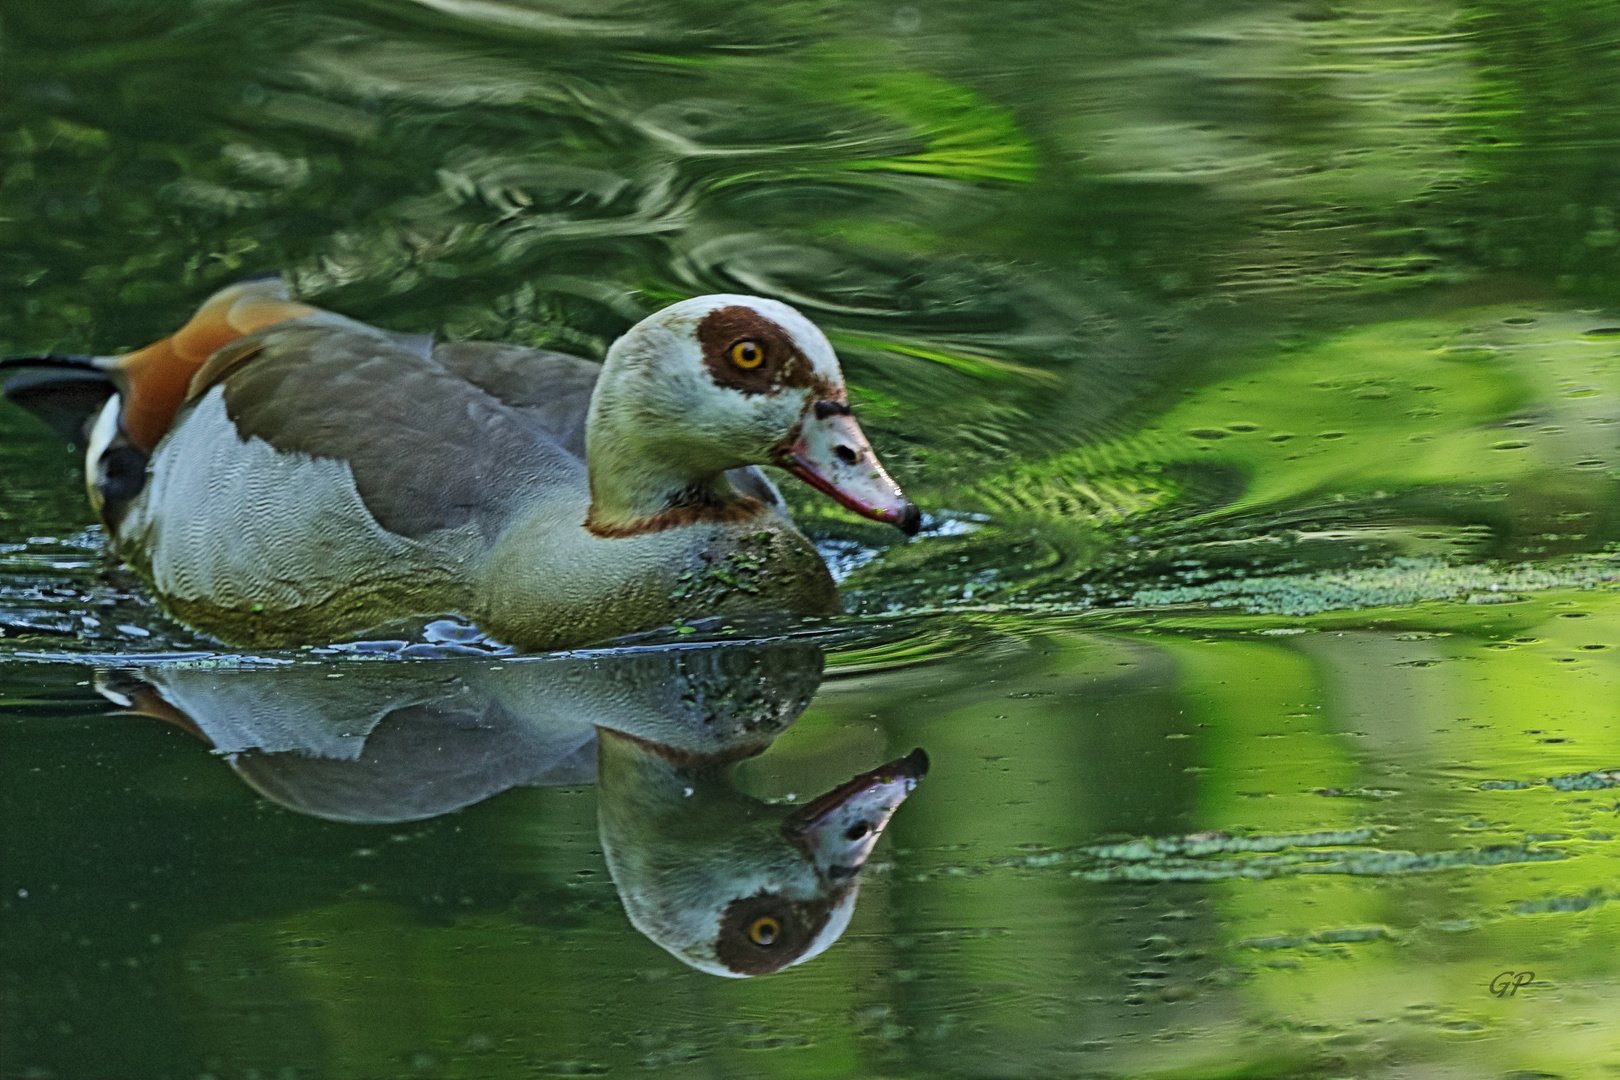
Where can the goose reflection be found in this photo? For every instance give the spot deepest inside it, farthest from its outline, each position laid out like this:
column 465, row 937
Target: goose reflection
column 727, row 883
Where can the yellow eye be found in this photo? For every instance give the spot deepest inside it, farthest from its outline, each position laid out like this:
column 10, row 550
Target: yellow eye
column 748, row 354
column 764, row 930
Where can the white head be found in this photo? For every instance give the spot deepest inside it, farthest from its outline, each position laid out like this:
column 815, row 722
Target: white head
column 715, row 383
column 728, row 884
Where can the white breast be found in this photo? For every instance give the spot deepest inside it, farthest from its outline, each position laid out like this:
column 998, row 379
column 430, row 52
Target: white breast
column 101, row 437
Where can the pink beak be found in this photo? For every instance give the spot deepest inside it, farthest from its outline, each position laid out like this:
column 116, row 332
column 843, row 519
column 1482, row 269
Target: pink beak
column 839, row 829
column 833, row 456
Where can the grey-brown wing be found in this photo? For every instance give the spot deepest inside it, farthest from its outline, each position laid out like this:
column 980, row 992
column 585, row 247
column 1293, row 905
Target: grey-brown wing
column 428, row 449
column 550, row 390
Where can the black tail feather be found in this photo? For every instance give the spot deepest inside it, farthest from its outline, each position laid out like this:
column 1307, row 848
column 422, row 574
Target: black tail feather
column 52, row 360
column 67, row 397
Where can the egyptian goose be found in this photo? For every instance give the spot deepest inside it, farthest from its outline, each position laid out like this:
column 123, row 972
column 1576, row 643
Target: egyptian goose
column 727, row 883
column 283, row 475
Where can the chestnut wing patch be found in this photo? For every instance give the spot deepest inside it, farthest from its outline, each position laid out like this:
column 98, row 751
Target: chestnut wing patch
column 428, row 449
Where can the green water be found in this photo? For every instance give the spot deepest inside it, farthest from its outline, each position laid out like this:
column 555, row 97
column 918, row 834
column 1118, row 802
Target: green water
column 1257, row 365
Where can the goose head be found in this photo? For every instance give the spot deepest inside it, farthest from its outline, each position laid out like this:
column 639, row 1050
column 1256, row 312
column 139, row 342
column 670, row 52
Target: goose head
column 717, row 383
column 724, row 882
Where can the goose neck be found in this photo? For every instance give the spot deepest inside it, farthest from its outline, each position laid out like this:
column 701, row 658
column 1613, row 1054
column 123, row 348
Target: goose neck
column 647, row 474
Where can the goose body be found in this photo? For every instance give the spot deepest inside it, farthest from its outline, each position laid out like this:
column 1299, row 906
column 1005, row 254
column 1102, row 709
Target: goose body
column 285, row 475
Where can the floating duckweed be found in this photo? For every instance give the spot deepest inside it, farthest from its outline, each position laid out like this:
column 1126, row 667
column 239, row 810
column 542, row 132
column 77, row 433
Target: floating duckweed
column 1602, row 331
column 1587, row 781
column 1140, row 862
column 1519, row 320
column 1208, row 433
column 1331, row 435
column 1282, row 436
column 1404, row 581
column 1510, row 444
column 1242, row 428
column 1351, row 933
column 1560, row 904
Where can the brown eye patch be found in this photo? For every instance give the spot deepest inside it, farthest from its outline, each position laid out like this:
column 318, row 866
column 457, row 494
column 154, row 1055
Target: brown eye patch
column 765, row 932
column 745, row 351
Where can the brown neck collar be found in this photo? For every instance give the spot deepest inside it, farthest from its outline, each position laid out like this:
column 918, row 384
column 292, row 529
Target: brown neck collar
column 700, row 504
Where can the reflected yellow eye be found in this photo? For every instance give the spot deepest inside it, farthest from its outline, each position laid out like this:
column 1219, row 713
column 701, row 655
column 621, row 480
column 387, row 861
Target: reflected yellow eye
column 748, row 354
column 763, row 931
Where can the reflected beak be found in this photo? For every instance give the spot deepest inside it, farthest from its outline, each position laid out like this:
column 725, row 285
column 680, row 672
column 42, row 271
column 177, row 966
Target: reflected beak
column 839, row 829
column 833, row 456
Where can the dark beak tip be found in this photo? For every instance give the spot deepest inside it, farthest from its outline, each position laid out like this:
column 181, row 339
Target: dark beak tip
column 910, row 520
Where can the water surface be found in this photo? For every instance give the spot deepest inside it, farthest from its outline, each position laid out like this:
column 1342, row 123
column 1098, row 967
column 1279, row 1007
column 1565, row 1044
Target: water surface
column 1257, row 366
